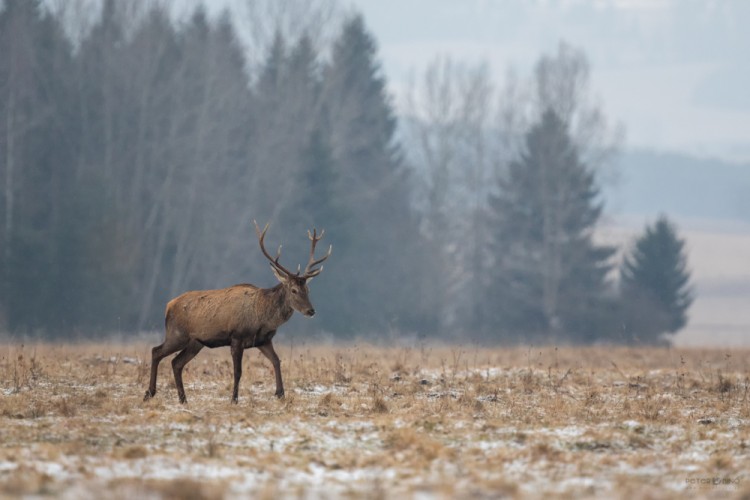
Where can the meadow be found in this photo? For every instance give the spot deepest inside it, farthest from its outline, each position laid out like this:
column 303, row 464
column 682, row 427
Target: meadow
column 366, row 421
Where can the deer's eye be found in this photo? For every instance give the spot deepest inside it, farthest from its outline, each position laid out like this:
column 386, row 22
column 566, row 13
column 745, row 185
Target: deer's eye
column 294, row 291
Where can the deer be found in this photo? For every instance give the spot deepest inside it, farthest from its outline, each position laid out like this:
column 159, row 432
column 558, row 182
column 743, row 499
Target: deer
column 241, row 316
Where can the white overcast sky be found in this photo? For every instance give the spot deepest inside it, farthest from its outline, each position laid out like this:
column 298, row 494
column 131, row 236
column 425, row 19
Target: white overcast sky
column 676, row 73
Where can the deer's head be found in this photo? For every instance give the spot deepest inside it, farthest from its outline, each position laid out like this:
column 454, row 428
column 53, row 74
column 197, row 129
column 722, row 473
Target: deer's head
column 295, row 284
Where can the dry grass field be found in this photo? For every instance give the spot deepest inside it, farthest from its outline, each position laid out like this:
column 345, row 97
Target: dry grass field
column 362, row 421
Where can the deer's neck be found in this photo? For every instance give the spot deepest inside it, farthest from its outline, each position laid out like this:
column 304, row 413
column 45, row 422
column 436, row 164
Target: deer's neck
column 278, row 306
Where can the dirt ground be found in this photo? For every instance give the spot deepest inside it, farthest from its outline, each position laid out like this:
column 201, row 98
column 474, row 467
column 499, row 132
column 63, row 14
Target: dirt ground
column 361, row 421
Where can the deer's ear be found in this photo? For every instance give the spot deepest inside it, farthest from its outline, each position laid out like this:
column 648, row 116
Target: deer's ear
column 279, row 275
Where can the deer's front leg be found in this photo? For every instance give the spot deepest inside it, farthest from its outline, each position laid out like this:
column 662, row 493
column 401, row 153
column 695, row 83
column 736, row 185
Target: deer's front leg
column 270, row 353
column 237, row 352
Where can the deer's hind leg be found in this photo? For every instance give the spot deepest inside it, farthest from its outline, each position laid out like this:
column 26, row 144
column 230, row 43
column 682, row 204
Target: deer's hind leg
column 171, row 344
column 269, row 352
column 179, row 362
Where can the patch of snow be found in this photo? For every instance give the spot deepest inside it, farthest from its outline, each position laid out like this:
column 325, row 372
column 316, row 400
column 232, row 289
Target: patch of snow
column 695, row 455
column 568, row 432
column 735, row 423
column 164, row 468
column 496, row 444
column 579, row 482
column 8, row 466
column 321, row 390
column 632, row 424
column 319, row 475
column 53, row 469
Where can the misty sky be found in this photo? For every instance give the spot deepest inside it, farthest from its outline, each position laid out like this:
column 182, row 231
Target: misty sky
column 676, row 73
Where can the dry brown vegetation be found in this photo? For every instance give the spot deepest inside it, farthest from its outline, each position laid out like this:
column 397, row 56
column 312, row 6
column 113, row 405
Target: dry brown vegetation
column 365, row 421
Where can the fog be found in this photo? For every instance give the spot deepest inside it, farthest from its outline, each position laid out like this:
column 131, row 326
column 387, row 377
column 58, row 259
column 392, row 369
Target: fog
column 486, row 172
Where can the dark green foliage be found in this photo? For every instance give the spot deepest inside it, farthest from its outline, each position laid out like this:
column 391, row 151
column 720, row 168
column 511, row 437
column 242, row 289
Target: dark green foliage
column 549, row 278
column 655, row 284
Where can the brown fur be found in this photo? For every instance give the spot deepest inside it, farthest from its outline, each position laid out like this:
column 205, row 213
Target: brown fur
column 241, row 316
column 215, row 317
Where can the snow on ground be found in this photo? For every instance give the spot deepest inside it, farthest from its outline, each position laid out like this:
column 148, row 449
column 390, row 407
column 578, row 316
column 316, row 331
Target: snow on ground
column 633, row 430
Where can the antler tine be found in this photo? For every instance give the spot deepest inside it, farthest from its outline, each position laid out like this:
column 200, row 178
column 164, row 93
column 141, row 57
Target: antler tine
column 314, row 239
column 274, row 261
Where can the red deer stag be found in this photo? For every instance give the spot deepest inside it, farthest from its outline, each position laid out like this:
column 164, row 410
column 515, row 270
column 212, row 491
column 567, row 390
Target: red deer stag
column 241, row 316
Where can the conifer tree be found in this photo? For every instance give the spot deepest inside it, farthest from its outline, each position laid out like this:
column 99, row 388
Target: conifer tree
column 549, row 276
column 371, row 187
column 655, row 284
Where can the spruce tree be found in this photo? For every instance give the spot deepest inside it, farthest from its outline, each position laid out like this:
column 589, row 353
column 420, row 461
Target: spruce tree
column 305, row 149
column 655, row 284
column 549, row 276
column 379, row 248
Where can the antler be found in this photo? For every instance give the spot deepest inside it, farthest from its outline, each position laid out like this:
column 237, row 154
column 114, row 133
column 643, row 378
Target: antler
column 274, row 261
column 314, row 239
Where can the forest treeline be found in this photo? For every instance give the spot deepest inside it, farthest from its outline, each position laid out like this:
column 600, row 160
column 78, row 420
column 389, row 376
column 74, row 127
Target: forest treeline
column 135, row 154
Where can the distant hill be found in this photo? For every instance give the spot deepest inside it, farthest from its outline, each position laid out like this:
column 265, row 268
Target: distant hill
column 649, row 183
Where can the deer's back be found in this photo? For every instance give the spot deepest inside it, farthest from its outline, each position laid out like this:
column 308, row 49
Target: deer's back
column 207, row 312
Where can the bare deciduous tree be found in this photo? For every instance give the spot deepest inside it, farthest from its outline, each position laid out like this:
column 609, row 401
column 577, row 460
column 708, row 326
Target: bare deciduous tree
column 449, row 125
column 261, row 21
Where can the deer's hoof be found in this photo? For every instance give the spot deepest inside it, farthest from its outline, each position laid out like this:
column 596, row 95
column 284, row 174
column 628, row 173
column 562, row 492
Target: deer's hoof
column 234, row 401
column 280, row 394
column 148, row 396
